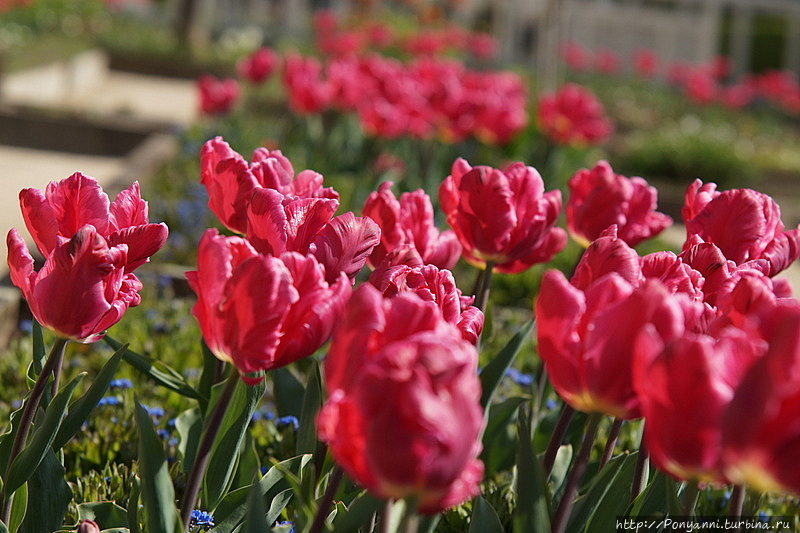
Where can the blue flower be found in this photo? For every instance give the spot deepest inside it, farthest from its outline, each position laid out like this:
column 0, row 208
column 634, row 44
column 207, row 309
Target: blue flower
column 288, row 421
column 155, row 412
column 110, row 400
column 122, row 383
column 201, row 518
column 550, row 404
column 26, row 326
column 525, row 380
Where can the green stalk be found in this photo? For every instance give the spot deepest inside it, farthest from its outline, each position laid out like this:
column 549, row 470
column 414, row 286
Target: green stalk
column 327, row 498
column 51, row 367
column 690, row 494
column 482, row 294
column 578, row 468
column 204, row 450
column 556, row 437
column 613, row 433
column 642, row 465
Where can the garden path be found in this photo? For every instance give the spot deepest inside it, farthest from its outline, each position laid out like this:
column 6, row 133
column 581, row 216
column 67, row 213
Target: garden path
column 100, row 93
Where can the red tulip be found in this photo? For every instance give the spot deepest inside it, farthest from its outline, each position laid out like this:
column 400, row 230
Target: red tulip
column 504, row 217
column 91, row 248
column 258, row 66
column 408, row 222
column 308, row 90
column 607, row 62
column 217, row 96
column 573, row 115
column 684, row 388
column 586, row 338
column 435, row 285
column 607, row 254
column 761, row 427
column 230, row 180
column 278, row 223
column 402, row 418
column 744, row 224
column 645, row 63
column 599, row 198
column 260, row 312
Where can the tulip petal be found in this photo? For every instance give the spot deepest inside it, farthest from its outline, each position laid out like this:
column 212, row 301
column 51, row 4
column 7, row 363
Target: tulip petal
column 128, row 209
column 344, row 245
column 20, row 263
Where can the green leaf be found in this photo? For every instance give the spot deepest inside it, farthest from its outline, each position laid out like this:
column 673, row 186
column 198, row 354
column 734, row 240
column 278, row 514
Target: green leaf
column 158, row 493
column 155, row 370
column 208, row 376
column 80, row 410
column 255, row 520
column 358, row 513
column 7, row 438
column 48, row 496
column 189, row 425
column 288, row 391
column 233, row 508
column 108, row 514
column 499, row 436
column 606, row 496
column 39, row 352
column 312, row 402
column 225, row 450
column 532, row 513
column 493, row 373
column 278, row 504
column 484, row 518
column 659, row 498
column 133, row 504
column 3, row 528
column 18, row 507
column 43, row 435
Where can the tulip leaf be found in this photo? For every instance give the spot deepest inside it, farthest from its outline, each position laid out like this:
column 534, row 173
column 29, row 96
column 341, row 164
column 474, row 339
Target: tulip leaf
column 659, row 498
column 532, row 513
column 209, row 375
column 44, row 433
column 231, row 511
column 360, row 511
column 3, row 528
column 155, row 370
column 109, row 514
column 255, row 519
column 80, row 410
column 484, row 518
column 7, row 438
column 189, row 425
column 493, row 373
column 289, row 392
column 133, row 504
column 499, row 438
column 225, row 450
column 18, row 507
column 158, row 493
column 606, row 496
column 39, row 351
column 312, row 402
column 48, row 496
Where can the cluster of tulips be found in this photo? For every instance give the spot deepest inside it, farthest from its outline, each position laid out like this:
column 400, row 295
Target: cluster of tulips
column 702, row 344
column 426, row 98
column 701, row 83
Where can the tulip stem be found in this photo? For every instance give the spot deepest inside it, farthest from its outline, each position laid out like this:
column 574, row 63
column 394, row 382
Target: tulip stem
column 578, row 468
column 51, row 367
column 204, row 450
column 556, row 437
column 640, row 474
column 611, row 443
column 327, row 498
column 737, row 501
column 690, row 494
column 482, row 284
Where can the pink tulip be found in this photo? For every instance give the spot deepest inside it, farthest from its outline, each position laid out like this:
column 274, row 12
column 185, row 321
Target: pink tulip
column 309, row 92
column 402, row 418
column 91, row 248
column 760, row 429
column 434, row 285
column 230, row 180
column 258, row 66
column 673, row 380
column 586, row 338
column 260, row 312
column 573, row 115
column 217, row 96
column 744, row 224
column 408, row 221
column 645, row 63
column 599, row 198
column 502, row 217
column 278, row 223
